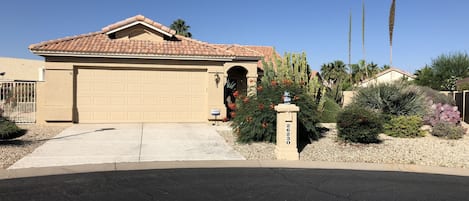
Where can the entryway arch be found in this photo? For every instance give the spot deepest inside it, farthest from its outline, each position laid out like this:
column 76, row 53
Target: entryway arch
column 236, row 81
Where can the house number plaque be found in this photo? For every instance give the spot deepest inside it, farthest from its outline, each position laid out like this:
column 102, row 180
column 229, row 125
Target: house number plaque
column 288, row 132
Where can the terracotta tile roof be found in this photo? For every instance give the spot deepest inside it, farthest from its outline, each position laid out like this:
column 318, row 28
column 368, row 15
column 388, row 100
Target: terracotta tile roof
column 268, row 51
column 239, row 50
column 314, row 74
column 137, row 18
column 99, row 43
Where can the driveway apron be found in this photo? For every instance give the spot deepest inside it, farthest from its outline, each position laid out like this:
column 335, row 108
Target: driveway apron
column 114, row 143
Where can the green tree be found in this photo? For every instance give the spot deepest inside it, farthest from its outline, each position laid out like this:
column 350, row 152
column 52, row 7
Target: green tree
column 373, row 69
column 181, row 28
column 362, row 71
column 385, row 67
column 424, row 77
column 335, row 74
column 359, row 72
column 444, row 71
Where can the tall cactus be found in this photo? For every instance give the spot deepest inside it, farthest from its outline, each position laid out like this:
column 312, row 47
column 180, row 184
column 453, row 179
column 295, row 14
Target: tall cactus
column 294, row 67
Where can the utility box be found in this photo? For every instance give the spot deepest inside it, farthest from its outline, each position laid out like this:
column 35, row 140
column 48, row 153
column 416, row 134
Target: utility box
column 287, row 132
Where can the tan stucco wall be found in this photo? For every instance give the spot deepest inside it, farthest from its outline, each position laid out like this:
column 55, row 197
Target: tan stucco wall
column 20, row 69
column 391, row 76
column 348, row 96
column 139, row 32
column 57, row 92
column 251, row 75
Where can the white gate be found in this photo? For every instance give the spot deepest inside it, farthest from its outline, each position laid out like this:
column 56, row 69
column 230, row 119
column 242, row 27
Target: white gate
column 18, row 101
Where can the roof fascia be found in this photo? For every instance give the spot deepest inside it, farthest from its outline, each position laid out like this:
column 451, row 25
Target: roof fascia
column 130, row 56
column 248, row 58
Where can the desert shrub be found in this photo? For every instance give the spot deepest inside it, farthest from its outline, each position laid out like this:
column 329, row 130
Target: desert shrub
column 448, row 130
column 9, row 130
column 359, row 124
column 330, row 111
column 392, row 99
column 255, row 118
column 435, row 96
column 442, row 113
column 404, row 126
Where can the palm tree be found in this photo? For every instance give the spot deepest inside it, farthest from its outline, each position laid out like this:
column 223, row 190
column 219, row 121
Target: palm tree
column 385, row 67
column 350, row 44
column 359, row 71
column 181, row 28
column 373, row 69
column 362, row 71
column 334, row 72
column 392, row 13
column 363, row 35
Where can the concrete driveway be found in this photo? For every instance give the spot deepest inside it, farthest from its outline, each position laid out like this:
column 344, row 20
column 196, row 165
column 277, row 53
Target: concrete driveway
column 110, row 143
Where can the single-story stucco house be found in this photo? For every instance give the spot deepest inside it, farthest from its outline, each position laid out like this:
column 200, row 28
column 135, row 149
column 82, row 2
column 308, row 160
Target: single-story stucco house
column 387, row 76
column 16, row 69
column 138, row 70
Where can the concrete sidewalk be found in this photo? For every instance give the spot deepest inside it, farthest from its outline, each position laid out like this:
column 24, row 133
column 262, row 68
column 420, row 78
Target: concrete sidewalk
column 116, row 143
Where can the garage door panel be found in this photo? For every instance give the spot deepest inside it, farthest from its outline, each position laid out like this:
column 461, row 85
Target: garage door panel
column 141, row 96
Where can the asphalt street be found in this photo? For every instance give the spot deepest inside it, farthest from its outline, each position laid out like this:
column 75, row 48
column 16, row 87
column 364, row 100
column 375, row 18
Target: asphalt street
column 238, row 184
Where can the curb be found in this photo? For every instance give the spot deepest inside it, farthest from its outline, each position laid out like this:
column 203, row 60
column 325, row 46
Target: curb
column 75, row 169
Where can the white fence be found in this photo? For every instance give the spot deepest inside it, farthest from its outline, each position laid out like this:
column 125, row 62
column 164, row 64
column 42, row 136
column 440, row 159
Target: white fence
column 18, row 101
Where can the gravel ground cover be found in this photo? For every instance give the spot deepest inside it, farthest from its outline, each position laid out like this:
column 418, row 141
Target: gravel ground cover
column 13, row 150
column 428, row 150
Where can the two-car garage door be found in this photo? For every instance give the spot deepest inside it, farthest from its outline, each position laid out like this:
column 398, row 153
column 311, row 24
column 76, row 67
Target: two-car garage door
column 129, row 95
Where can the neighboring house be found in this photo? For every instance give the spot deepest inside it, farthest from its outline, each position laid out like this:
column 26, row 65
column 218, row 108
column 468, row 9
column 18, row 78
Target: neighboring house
column 138, row 70
column 15, row 69
column 387, row 76
column 315, row 74
column 462, row 84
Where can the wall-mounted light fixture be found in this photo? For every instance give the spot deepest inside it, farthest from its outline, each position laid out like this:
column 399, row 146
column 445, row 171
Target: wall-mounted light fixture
column 217, row 78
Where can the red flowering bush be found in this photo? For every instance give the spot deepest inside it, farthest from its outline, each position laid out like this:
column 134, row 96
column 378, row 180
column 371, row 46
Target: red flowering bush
column 236, row 94
column 232, row 106
column 255, row 118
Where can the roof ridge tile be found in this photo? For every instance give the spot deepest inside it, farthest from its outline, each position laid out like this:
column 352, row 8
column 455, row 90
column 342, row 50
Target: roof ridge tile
column 137, row 18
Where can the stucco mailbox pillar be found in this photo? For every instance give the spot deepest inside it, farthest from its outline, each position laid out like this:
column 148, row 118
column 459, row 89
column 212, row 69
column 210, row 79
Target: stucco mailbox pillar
column 286, row 148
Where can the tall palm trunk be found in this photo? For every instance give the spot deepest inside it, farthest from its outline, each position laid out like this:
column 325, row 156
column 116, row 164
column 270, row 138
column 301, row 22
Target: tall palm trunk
column 350, row 45
column 391, row 27
column 363, row 37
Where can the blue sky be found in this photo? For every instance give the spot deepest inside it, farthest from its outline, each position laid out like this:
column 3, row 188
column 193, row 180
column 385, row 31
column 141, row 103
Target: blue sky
column 423, row 29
